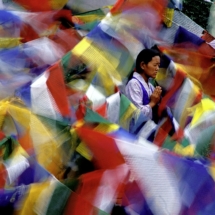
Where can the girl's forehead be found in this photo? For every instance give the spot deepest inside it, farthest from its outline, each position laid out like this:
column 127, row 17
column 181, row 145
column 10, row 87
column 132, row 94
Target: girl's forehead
column 155, row 59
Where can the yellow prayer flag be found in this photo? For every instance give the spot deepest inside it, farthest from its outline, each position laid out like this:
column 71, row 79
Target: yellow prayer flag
column 198, row 110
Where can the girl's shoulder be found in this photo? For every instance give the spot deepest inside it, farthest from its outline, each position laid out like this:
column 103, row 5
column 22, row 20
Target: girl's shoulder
column 133, row 80
column 134, row 83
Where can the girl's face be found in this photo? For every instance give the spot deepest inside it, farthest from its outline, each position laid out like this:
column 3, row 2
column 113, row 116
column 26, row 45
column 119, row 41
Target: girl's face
column 150, row 70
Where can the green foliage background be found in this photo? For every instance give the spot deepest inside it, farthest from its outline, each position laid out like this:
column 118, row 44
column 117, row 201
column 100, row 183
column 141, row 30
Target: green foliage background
column 197, row 10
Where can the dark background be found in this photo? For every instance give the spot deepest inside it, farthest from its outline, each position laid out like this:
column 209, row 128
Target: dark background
column 197, row 10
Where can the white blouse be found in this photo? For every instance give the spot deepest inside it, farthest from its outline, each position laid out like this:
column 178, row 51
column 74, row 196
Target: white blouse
column 134, row 93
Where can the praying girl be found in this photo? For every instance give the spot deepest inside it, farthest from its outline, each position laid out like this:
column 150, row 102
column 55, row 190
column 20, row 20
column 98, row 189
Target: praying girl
column 139, row 90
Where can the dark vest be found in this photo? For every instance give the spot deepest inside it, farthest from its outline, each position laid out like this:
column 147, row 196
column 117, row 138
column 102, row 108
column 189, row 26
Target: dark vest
column 146, row 101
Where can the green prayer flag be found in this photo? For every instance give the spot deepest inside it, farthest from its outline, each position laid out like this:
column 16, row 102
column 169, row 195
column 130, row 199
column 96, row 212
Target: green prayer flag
column 92, row 116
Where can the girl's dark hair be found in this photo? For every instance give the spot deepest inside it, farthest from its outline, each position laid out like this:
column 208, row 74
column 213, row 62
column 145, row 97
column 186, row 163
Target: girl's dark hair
column 146, row 56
